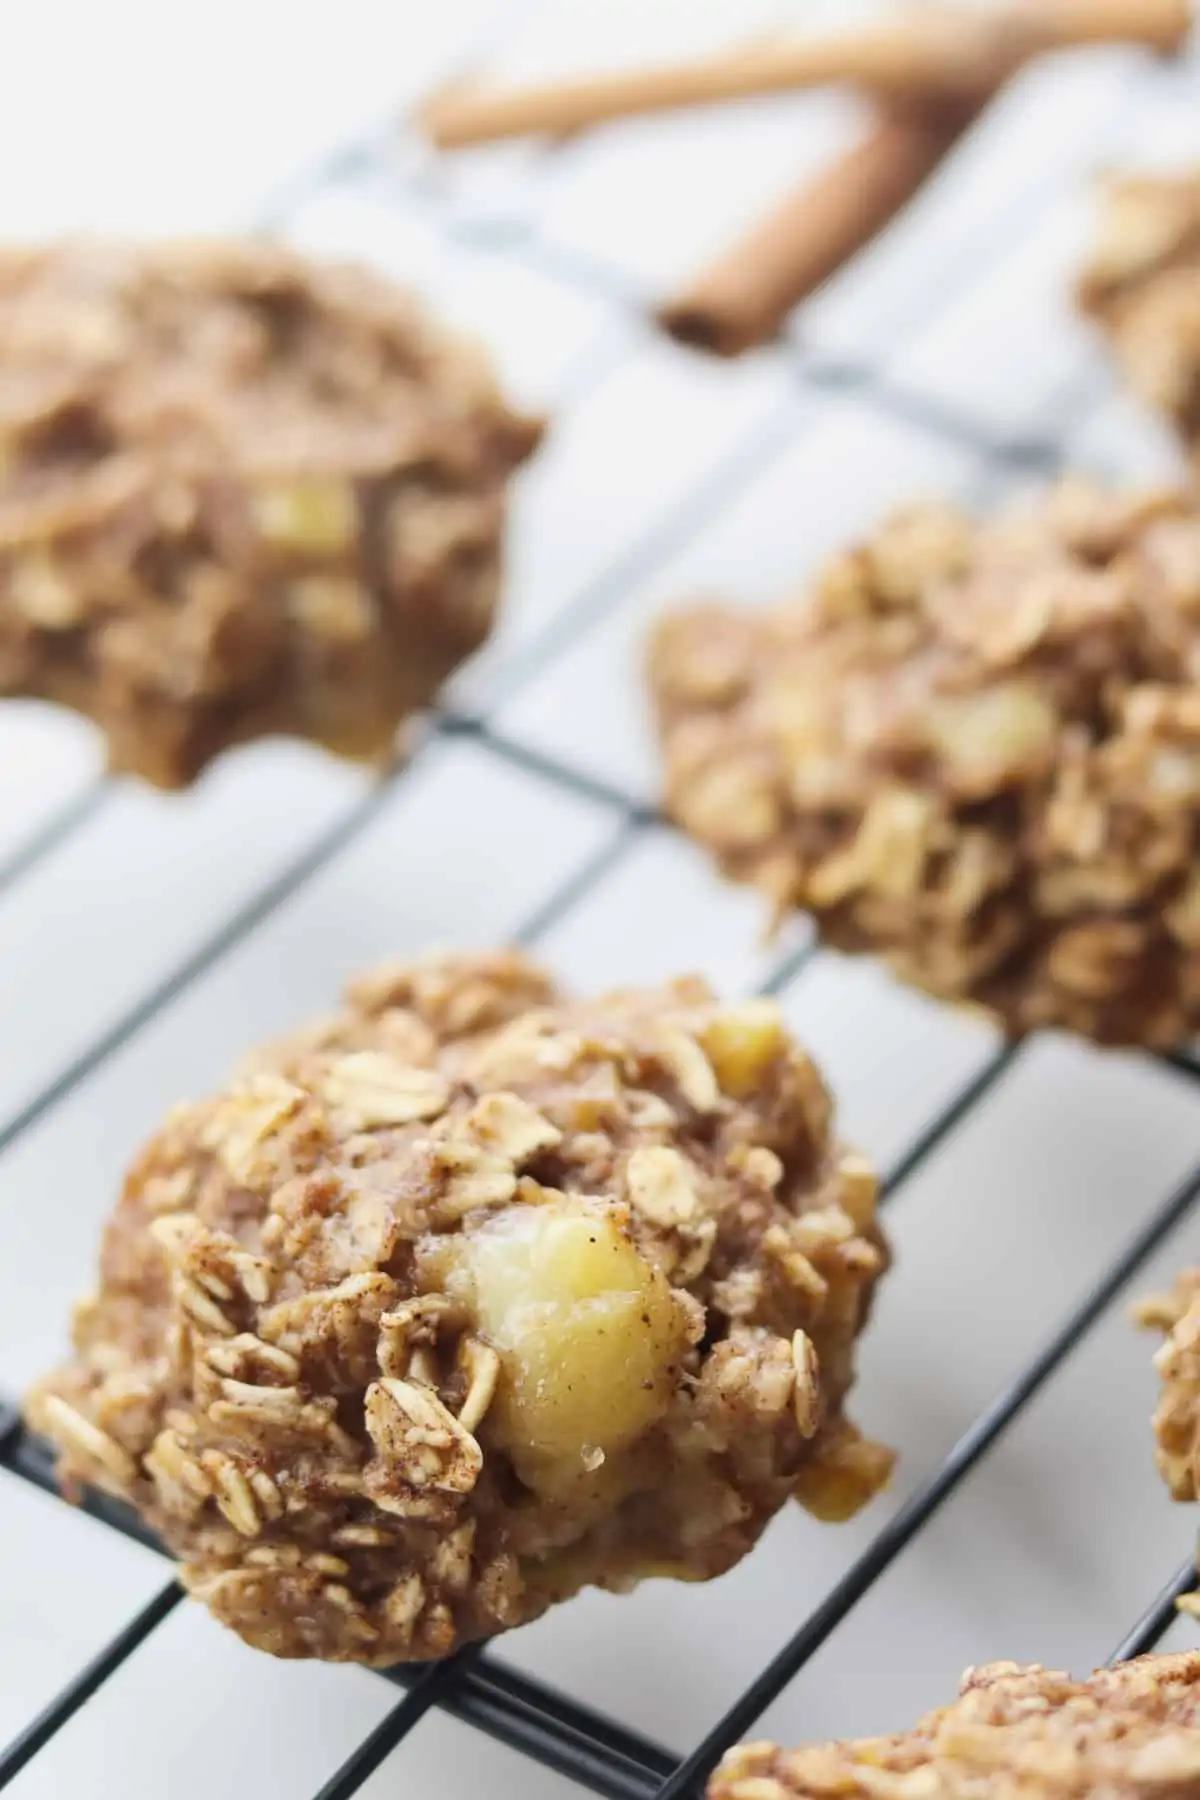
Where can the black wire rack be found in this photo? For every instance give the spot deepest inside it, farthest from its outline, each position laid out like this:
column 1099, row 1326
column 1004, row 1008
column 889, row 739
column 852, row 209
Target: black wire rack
column 477, row 1686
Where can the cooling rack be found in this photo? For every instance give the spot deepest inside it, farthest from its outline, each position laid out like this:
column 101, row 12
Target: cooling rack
column 145, row 940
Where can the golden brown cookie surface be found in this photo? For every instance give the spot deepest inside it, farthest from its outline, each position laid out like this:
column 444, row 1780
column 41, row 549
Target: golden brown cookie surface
column 473, row 1295
column 241, row 493
column 974, row 749
column 1143, row 286
column 1015, row 1730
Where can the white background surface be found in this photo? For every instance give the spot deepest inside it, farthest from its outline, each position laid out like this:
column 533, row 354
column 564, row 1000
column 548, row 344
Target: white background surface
column 664, row 475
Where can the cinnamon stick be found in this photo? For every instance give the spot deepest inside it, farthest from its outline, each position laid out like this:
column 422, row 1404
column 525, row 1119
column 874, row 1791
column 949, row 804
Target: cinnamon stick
column 1162, row 25
column 743, row 298
column 926, row 51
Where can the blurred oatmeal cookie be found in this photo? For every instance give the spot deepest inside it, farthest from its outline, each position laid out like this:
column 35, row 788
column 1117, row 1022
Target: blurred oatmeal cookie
column 241, row 493
column 1143, row 286
column 1177, row 1417
column 974, row 749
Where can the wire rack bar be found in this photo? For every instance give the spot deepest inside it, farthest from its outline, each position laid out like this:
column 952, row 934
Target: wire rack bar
column 1158, row 1617
column 948, row 1120
column 363, row 1761
column 231, row 933
column 527, row 1697
column 551, row 769
column 65, row 1705
column 537, row 1722
column 57, row 829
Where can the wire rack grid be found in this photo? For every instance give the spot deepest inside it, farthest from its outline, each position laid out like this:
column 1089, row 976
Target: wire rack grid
column 143, row 940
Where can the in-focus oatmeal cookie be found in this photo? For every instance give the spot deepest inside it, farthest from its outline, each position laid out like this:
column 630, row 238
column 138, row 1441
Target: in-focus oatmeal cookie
column 1143, row 285
column 1128, row 1733
column 241, row 493
column 472, row 1295
column 974, row 749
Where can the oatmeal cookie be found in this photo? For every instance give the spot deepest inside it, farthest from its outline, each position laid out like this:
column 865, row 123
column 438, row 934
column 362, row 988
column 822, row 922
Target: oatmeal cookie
column 1143, row 286
column 1177, row 1416
column 472, row 1295
column 1130, row 1733
column 241, row 493
column 974, row 749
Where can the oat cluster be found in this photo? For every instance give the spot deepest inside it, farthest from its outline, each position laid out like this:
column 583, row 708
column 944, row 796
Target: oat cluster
column 1015, row 1733
column 974, row 749
column 1143, row 286
column 471, row 1295
column 1177, row 1416
column 241, row 493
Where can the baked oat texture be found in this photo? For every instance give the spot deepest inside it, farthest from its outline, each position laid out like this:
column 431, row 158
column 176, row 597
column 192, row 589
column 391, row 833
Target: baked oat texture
column 1143, row 286
column 241, row 493
column 974, row 749
column 1016, row 1732
column 1177, row 1417
column 472, row 1295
